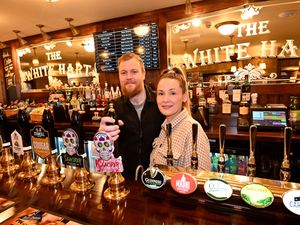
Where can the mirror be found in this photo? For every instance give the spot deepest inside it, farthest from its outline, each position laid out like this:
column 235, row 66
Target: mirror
column 58, row 63
column 266, row 46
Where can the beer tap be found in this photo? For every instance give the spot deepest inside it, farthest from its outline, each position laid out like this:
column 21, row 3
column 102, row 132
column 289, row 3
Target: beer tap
column 285, row 170
column 194, row 158
column 221, row 160
column 169, row 141
column 251, row 169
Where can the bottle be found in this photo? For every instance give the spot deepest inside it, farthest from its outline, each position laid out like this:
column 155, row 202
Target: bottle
column 88, row 91
column 254, row 97
column 244, row 106
column 48, row 124
column 24, row 127
column 246, row 88
column 118, row 92
column 236, row 93
column 226, row 105
column 169, row 141
column 112, row 93
column 244, row 110
column 4, row 127
column 106, row 92
column 77, row 126
column 112, row 113
column 212, row 102
column 194, row 157
column 222, row 92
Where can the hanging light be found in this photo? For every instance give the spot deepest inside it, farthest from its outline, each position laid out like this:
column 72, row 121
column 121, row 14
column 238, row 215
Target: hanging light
column 46, row 37
column 141, row 30
column 185, row 55
column 74, row 30
column 249, row 11
column 69, row 43
column 35, row 60
column 188, row 7
column 88, row 45
column 227, row 28
column 77, row 62
column 21, row 40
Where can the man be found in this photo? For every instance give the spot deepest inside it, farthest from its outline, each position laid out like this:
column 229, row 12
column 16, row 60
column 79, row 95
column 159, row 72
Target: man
column 139, row 118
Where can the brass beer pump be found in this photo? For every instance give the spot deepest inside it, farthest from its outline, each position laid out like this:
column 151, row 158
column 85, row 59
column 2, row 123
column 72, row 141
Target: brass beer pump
column 53, row 175
column 28, row 166
column 7, row 162
column 285, row 170
column 221, row 160
column 251, row 168
column 116, row 190
column 82, row 182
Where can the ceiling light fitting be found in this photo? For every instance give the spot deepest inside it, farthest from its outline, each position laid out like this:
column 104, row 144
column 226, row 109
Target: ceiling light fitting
column 35, row 60
column 20, row 39
column 141, row 30
column 88, row 45
column 249, row 11
column 2, row 45
column 227, row 28
column 188, row 7
column 74, row 30
column 46, row 37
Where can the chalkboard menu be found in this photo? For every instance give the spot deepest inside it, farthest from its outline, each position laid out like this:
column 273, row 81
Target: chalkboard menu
column 111, row 44
column 9, row 74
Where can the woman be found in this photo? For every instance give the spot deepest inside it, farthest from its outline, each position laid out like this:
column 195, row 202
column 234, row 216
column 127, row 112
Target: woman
column 173, row 102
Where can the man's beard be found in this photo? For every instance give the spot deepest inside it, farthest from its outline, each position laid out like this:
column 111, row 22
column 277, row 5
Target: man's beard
column 132, row 92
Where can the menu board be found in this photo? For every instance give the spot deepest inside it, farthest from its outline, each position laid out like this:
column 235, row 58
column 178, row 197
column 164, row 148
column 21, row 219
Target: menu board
column 111, row 44
column 9, row 74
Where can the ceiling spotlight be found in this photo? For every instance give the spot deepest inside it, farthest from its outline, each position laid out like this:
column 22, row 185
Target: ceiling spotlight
column 44, row 34
column 51, row 1
column 21, row 40
column 227, row 28
column 141, row 30
column 2, row 45
column 74, row 30
column 196, row 22
column 188, row 7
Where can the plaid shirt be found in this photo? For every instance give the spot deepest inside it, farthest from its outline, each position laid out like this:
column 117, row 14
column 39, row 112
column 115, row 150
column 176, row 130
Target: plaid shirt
column 181, row 143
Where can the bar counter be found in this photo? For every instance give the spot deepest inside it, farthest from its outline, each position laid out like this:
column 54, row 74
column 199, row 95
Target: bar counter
column 145, row 206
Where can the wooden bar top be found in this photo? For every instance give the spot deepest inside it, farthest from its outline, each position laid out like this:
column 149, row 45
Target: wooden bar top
column 142, row 206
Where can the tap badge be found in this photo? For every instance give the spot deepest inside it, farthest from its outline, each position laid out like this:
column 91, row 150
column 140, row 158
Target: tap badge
column 104, row 148
column 71, row 143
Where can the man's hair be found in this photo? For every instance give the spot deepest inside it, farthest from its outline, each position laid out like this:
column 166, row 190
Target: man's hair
column 129, row 55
